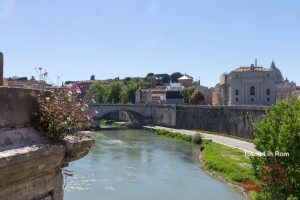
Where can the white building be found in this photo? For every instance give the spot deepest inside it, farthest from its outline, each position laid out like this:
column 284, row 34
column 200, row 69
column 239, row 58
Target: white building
column 252, row 86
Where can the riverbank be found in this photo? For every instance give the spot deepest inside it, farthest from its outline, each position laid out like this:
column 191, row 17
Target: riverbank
column 236, row 143
column 230, row 165
column 227, row 164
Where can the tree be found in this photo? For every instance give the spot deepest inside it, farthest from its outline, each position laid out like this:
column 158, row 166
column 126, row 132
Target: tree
column 187, row 93
column 197, row 97
column 115, row 92
column 163, row 78
column 69, row 82
column 192, row 95
column 175, row 76
column 100, row 90
column 279, row 132
column 92, row 78
column 150, row 74
column 130, row 89
column 152, row 81
column 126, row 80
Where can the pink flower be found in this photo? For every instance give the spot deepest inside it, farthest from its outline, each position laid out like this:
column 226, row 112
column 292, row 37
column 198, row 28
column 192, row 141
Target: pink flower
column 95, row 111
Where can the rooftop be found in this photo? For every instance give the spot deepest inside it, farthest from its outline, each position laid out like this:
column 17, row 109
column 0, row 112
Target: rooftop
column 252, row 68
column 185, row 77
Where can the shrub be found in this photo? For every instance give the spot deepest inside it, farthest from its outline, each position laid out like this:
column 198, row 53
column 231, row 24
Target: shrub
column 60, row 112
column 197, row 138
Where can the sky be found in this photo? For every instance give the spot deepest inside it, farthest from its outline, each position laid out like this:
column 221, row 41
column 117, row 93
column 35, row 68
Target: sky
column 73, row 39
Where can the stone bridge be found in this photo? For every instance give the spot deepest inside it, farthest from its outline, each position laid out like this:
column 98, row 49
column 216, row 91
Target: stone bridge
column 231, row 120
column 140, row 113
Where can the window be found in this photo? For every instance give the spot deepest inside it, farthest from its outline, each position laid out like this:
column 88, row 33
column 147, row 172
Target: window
column 236, row 92
column 268, row 75
column 252, row 100
column 236, row 99
column 252, row 90
column 268, row 99
column 268, row 92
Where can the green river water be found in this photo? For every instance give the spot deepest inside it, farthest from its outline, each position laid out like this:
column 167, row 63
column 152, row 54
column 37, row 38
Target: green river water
column 139, row 165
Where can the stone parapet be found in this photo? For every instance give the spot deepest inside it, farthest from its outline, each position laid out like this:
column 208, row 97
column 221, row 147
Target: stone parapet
column 30, row 165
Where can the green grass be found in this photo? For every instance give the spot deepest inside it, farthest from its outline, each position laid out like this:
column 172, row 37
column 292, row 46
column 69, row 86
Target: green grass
column 103, row 122
column 175, row 135
column 119, row 124
column 229, row 162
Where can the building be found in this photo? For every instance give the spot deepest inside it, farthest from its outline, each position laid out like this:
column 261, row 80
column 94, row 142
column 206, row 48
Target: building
column 169, row 94
column 185, row 80
column 23, row 82
column 252, row 85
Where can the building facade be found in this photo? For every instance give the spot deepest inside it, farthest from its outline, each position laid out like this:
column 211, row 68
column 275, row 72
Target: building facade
column 252, row 86
column 185, row 80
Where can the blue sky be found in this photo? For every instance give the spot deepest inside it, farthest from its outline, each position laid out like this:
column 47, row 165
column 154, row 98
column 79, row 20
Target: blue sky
column 74, row 39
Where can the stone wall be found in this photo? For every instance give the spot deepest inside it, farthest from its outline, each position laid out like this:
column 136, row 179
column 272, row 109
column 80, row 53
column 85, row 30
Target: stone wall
column 164, row 115
column 16, row 107
column 30, row 165
column 229, row 120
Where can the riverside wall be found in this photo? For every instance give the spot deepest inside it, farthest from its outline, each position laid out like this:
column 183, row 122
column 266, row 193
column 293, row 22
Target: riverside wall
column 229, row 120
column 30, row 165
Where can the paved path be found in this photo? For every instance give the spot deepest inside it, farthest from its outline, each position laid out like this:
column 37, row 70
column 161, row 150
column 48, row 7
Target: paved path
column 228, row 141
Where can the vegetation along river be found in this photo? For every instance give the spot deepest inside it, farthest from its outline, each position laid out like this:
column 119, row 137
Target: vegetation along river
column 137, row 164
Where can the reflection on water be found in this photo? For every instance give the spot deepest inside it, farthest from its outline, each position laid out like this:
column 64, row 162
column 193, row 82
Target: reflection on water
column 137, row 164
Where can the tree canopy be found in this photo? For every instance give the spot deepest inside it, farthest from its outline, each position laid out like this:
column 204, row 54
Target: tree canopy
column 175, row 76
column 192, row 95
column 279, row 133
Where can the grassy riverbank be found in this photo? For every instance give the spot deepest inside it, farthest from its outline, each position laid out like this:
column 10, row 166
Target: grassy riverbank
column 230, row 162
column 197, row 139
column 227, row 163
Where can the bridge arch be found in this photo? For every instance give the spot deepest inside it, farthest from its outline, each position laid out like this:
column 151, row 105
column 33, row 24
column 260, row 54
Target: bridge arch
column 137, row 113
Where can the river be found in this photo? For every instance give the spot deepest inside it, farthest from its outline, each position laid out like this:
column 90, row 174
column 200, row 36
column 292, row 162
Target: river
column 137, row 164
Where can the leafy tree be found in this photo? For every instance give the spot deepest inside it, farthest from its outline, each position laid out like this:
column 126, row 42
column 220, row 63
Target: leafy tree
column 175, row 76
column 100, row 90
column 187, row 93
column 130, row 89
column 22, row 79
column 163, row 78
column 127, row 79
column 69, row 82
column 197, row 97
column 150, row 74
column 92, row 78
column 115, row 92
column 192, row 95
column 152, row 81
column 279, row 131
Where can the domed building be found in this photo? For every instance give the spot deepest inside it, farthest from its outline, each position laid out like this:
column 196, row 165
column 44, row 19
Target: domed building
column 252, row 85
